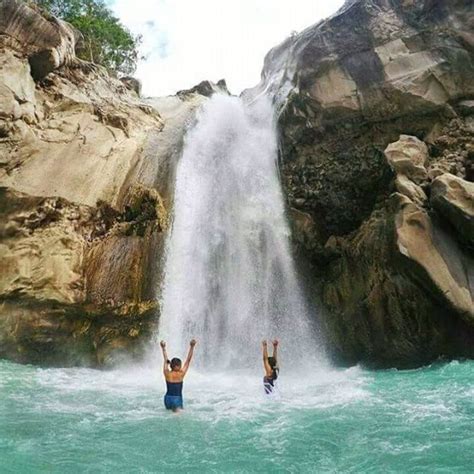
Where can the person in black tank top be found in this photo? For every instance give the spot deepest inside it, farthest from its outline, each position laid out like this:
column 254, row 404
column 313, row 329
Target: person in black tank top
column 270, row 364
column 174, row 374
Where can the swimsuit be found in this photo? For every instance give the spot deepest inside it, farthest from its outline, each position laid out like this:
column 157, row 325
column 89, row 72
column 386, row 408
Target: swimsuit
column 268, row 385
column 174, row 395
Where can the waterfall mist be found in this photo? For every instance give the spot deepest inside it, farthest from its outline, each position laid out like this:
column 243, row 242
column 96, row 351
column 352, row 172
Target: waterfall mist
column 229, row 276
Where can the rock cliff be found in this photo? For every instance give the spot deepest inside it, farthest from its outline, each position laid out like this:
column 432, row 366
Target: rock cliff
column 377, row 123
column 86, row 172
column 376, row 116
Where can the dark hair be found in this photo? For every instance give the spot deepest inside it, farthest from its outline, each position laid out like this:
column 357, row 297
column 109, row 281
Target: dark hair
column 174, row 363
column 273, row 364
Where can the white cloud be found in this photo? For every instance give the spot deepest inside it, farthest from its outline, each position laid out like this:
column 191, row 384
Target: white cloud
column 187, row 41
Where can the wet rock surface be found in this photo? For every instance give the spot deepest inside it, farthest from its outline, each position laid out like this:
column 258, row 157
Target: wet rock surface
column 86, row 173
column 377, row 129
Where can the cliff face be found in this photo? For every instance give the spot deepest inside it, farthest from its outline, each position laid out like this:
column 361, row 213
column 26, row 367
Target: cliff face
column 376, row 114
column 377, row 122
column 86, row 169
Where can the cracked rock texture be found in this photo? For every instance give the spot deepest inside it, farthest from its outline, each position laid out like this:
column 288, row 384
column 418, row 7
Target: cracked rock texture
column 377, row 122
column 86, row 173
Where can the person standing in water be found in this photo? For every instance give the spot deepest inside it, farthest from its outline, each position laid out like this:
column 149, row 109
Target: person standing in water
column 174, row 374
column 270, row 365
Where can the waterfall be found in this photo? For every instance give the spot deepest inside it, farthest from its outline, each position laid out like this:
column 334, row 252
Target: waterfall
column 229, row 276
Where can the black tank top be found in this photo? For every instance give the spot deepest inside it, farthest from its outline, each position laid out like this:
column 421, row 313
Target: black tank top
column 174, row 389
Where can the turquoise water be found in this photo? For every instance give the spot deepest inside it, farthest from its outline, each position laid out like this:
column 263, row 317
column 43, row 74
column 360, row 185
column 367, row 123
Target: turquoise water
column 81, row 420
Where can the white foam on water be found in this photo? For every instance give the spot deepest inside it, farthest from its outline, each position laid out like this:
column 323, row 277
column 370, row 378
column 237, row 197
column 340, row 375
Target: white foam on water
column 210, row 397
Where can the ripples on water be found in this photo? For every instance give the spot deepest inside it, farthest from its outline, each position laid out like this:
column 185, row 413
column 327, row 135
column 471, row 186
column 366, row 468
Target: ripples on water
column 81, row 420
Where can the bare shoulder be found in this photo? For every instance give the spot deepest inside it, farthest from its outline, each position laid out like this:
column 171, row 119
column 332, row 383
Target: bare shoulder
column 175, row 376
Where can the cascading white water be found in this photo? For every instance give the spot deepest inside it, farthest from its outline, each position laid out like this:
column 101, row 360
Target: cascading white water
column 229, row 275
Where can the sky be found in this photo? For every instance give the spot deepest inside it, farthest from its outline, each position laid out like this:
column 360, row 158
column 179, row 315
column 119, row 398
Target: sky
column 187, row 41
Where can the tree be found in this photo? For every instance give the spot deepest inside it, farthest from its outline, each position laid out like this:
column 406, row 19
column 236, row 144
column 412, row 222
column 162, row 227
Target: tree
column 106, row 40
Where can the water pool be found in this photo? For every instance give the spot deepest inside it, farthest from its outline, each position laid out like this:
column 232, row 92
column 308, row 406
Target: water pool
column 352, row 420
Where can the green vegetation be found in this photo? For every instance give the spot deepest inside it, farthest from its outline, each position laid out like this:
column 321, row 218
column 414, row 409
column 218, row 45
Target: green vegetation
column 106, row 40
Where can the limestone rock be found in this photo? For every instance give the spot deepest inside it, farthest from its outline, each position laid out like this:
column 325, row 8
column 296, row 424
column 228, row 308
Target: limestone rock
column 86, row 184
column 48, row 42
column 205, row 88
column 350, row 85
column 89, row 169
column 400, row 292
column 75, row 279
column 304, row 229
column 376, row 60
column 133, row 84
column 438, row 256
column 79, row 126
column 336, row 89
column 381, row 76
column 408, row 157
column 408, row 188
column 453, row 198
column 41, row 251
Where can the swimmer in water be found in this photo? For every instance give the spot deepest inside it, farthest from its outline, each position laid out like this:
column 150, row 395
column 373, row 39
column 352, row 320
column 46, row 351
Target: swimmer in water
column 270, row 365
column 174, row 374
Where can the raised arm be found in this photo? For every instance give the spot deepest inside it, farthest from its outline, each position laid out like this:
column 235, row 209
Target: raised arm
column 165, row 358
column 266, row 365
column 192, row 343
column 275, row 350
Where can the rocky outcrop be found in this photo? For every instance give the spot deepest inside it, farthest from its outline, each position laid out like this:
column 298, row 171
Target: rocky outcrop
column 61, row 301
column 453, row 198
column 86, row 172
column 133, row 84
column 377, row 129
column 398, row 292
column 407, row 157
column 48, row 42
column 205, row 88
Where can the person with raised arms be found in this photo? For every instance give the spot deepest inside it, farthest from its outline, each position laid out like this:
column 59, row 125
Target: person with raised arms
column 174, row 373
column 270, row 365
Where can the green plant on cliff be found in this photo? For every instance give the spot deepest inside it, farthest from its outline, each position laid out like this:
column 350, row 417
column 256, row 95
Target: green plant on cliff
column 106, row 40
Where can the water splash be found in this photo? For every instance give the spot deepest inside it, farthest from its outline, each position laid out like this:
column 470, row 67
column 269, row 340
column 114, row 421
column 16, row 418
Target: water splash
column 64, row 420
column 229, row 275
